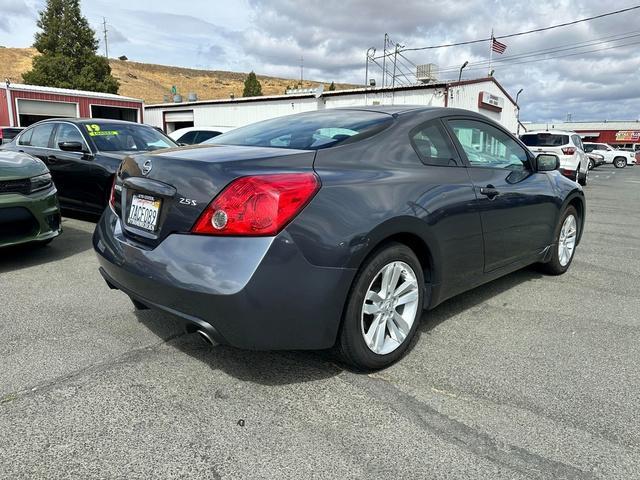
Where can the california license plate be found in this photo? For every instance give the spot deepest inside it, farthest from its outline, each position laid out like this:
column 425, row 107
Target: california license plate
column 144, row 212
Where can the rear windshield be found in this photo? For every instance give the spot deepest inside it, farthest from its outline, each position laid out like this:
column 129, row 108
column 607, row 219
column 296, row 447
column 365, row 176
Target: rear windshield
column 544, row 139
column 117, row 137
column 308, row 131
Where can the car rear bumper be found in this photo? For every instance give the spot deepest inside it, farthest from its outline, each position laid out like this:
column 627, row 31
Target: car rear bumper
column 29, row 218
column 255, row 293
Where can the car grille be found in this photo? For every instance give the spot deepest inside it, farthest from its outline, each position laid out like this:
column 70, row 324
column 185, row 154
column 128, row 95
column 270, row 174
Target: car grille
column 22, row 186
column 16, row 222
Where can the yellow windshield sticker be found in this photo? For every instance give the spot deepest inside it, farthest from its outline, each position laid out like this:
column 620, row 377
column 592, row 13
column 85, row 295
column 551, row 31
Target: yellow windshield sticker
column 104, row 133
column 93, row 128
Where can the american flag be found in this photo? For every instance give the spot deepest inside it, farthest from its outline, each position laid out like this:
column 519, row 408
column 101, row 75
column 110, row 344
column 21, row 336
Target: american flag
column 497, row 47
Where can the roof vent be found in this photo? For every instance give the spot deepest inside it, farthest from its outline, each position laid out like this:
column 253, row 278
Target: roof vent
column 427, row 73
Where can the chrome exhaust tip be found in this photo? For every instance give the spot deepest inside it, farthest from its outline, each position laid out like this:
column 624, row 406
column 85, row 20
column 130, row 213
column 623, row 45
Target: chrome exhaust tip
column 205, row 336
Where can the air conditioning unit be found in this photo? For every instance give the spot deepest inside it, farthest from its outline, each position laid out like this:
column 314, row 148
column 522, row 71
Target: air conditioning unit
column 427, row 73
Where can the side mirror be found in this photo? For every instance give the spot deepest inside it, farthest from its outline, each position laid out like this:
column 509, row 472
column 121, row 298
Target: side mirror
column 547, row 162
column 71, row 146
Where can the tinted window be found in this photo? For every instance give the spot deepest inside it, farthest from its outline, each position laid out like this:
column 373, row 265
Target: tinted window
column 589, row 148
column 115, row 137
column 308, row 131
column 432, row 145
column 10, row 133
column 204, row 136
column 544, row 139
column 188, row 138
column 68, row 133
column 488, row 146
column 25, row 138
column 41, row 135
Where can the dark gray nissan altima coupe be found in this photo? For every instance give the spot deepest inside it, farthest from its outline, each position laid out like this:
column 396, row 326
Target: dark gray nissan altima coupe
column 334, row 228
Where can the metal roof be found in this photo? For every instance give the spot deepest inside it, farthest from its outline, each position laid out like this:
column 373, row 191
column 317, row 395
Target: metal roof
column 67, row 91
column 326, row 93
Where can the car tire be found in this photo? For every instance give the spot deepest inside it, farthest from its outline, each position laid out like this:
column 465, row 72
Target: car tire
column 376, row 328
column 620, row 162
column 583, row 178
column 559, row 262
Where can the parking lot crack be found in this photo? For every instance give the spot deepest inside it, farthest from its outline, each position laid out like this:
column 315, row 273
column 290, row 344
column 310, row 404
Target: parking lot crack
column 55, row 382
column 462, row 435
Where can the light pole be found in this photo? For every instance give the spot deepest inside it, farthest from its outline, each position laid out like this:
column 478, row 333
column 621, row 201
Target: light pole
column 518, row 111
column 366, row 65
column 462, row 68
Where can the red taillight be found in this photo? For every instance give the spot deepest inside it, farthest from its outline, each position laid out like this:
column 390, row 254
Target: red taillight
column 257, row 205
column 112, row 197
column 568, row 150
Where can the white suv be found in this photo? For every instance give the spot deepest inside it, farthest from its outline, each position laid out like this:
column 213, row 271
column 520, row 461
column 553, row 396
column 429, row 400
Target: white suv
column 574, row 163
column 619, row 158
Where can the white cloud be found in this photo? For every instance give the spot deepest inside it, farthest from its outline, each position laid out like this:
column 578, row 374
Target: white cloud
column 269, row 36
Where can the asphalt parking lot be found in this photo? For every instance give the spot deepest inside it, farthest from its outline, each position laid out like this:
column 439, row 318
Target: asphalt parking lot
column 527, row 377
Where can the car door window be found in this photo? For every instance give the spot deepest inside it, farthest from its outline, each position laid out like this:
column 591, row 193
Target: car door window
column 188, row 138
column 41, row 135
column 25, row 138
column 68, row 133
column 577, row 141
column 205, row 135
column 431, row 143
column 488, row 146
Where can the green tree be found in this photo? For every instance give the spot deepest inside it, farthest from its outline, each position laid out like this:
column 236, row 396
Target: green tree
column 68, row 51
column 252, row 87
column 332, row 87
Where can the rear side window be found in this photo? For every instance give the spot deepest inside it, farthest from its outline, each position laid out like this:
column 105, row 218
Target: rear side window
column 205, row 135
column 308, row 131
column 544, row 139
column 10, row 133
column 432, row 145
column 188, row 138
column 41, row 135
column 589, row 148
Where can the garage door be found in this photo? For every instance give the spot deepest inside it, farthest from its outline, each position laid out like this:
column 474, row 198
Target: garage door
column 47, row 109
column 182, row 116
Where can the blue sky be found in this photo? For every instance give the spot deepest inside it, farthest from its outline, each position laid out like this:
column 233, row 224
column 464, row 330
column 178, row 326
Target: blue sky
column 333, row 35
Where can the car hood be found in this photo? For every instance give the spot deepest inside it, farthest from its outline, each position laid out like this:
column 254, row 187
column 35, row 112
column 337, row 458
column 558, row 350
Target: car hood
column 15, row 165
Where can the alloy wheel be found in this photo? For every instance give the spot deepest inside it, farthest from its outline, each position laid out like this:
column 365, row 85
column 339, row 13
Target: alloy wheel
column 567, row 240
column 389, row 308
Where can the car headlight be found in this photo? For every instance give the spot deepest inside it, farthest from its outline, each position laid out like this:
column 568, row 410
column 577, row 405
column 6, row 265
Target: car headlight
column 41, row 182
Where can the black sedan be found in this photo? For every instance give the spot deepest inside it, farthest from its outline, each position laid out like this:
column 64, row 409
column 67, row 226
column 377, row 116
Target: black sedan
column 83, row 155
column 334, row 228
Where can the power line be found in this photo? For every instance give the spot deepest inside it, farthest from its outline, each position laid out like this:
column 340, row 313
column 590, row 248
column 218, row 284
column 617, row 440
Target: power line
column 560, row 48
column 560, row 56
column 527, row 32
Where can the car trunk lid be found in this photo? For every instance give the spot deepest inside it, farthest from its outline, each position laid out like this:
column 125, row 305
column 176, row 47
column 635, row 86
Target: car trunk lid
column 165, row 192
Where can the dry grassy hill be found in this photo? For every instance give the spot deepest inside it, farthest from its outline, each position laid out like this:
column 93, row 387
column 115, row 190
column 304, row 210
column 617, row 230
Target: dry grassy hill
column 152, row 82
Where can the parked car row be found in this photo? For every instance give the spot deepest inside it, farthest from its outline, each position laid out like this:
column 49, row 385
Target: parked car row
column 333, row 228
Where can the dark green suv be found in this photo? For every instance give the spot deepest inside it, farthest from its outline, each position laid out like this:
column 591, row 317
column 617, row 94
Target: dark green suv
column 29, row 210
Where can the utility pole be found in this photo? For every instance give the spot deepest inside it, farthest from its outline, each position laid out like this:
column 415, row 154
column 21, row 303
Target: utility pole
column 384, row 60
column 106, row 41
column 301, row 70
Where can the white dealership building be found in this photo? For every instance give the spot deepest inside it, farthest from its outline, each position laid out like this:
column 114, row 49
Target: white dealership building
column 484, row 95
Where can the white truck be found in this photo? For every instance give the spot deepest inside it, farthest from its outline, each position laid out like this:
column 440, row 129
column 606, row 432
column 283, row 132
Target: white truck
column 619, row 158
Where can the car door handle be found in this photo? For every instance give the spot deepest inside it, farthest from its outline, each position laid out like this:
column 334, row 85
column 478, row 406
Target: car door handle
column 490, row 191
column 52, row 159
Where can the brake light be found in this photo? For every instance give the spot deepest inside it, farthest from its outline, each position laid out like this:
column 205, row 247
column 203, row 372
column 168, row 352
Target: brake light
column 259, row 205
column 568, row 150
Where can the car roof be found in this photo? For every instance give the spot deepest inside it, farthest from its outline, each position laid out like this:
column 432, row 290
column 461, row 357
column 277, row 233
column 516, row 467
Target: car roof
column 85, row 121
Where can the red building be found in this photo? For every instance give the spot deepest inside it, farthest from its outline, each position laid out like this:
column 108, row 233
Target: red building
column 23, row 105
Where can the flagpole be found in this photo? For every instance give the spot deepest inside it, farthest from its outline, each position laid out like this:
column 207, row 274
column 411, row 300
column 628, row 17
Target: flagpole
column 491, row 51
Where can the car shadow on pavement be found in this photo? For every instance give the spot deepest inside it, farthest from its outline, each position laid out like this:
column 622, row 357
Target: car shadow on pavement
column 265, row 368
column 468, row 300
column 70, row 242
column 291, row 367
